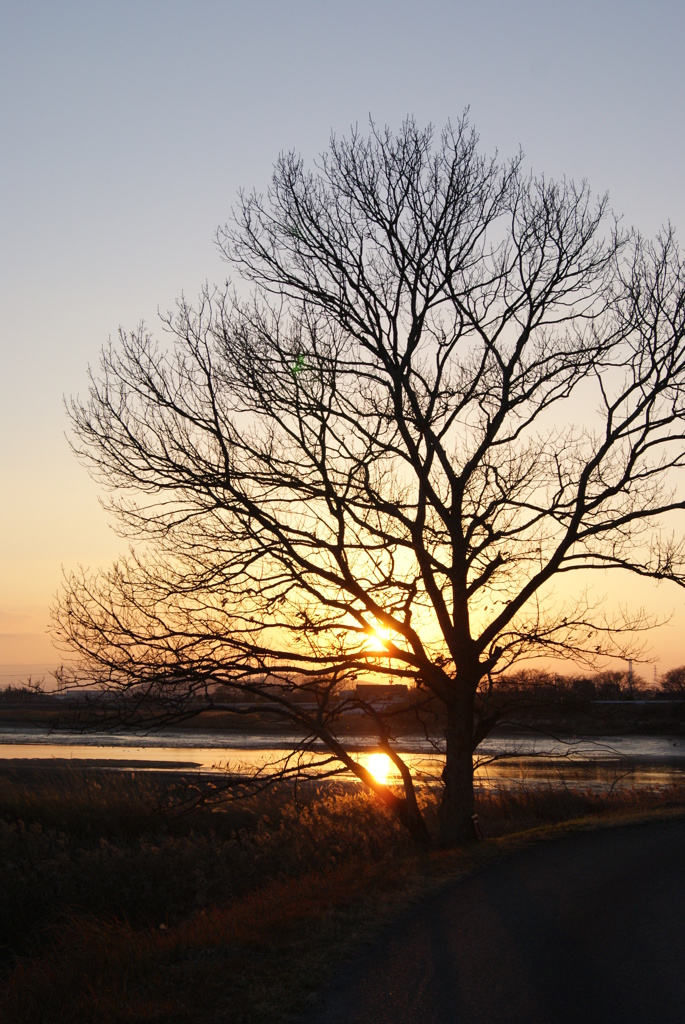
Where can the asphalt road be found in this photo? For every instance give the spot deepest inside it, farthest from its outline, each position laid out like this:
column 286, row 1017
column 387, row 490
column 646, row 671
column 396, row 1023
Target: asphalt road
column 586, row 929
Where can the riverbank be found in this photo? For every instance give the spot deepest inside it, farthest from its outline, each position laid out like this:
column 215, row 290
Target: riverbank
column 173, row 913
column 579, row 718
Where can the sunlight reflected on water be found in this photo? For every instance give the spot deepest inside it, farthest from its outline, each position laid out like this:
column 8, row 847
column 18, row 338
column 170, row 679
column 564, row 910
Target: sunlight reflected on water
column 380, row 766
column 617, row 761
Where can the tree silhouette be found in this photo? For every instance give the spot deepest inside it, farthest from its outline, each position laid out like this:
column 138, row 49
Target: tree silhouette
column 673, row 681
column 452, row 385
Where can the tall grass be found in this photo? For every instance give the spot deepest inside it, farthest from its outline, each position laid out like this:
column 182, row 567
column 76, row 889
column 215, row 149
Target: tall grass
column 515, row 809
column 100, row 845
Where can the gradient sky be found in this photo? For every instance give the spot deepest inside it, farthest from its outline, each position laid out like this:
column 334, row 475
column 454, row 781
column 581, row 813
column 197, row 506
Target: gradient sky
column 127, row 129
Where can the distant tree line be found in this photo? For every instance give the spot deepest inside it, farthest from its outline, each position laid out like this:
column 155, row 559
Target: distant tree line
column 610, row 684
column 673, row 682
column 26, row 690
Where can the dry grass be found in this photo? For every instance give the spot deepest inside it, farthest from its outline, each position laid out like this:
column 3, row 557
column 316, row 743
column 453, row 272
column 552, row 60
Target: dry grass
column 130, row 915
column 506, row 811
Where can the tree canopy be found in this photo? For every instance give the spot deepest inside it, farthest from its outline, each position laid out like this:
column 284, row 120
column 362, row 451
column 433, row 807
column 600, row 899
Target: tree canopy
column 451, row 385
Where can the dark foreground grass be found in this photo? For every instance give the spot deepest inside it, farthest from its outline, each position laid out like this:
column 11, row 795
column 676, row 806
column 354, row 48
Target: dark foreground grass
column 112, row 910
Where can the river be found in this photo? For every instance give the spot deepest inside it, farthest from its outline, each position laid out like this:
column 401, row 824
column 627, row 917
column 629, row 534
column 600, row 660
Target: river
column 505, row 760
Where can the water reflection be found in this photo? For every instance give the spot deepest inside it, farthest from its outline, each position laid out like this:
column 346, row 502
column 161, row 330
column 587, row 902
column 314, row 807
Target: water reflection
column 607, row 762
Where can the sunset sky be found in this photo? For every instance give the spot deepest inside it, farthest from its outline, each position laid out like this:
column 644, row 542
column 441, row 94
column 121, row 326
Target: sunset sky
column 128, row 127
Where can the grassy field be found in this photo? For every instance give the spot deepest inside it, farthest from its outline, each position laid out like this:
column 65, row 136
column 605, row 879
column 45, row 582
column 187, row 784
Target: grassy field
column 118, row 903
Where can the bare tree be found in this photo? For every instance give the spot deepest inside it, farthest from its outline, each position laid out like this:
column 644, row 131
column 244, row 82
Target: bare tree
column 453, row 385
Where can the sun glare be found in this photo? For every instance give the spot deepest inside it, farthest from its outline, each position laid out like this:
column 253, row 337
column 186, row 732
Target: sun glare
column 380, row 766
column 378, row 639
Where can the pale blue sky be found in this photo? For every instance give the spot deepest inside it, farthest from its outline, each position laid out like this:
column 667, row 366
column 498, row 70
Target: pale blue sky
column 127, row 129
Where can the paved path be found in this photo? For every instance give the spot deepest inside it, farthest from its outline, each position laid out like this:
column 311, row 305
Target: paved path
column 588, row 929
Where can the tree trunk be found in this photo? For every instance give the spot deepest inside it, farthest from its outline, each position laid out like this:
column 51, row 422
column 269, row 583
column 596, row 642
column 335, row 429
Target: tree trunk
column 410, row 815
column 457, row 825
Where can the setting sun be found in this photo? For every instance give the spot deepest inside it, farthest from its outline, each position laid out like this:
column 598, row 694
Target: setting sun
column 378, row 639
